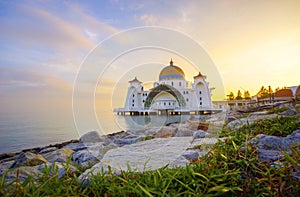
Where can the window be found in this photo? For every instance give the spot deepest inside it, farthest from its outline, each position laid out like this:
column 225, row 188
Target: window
column 187, row 99
column 200, row 92
column 132, row 105
column 143, row 101
column 183, row 92
column 172, row 83
column 133, row 95
column 187, row 92
column 164, row 103
column 179, row 83
column 169, row 103
column 200, row 103
column 200, row 98
column 133, row 100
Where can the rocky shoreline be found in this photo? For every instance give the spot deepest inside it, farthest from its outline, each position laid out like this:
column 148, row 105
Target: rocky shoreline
column 175, row 145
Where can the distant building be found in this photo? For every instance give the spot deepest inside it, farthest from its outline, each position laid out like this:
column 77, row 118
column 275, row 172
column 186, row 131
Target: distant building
column 171, row 94
column 282, row 95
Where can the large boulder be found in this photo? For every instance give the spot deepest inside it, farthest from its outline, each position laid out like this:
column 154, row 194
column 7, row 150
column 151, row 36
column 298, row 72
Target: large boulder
column 93, row 154
column 28, row 159
column 165, row 132
column 60, row 155
column 289, row 112
column 269, row 147
column 92, row 137
column 142, row 156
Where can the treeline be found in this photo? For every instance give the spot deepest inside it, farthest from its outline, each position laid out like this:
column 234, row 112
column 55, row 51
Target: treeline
column 264, row 92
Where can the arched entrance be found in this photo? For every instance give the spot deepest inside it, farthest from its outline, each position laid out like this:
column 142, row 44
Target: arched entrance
column 165, row 88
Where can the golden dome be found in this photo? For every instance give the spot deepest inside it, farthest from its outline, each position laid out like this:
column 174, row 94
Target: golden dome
column 171, row 72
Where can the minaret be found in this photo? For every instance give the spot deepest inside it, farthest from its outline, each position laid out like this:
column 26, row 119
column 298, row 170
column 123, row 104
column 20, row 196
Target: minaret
column 133, row 99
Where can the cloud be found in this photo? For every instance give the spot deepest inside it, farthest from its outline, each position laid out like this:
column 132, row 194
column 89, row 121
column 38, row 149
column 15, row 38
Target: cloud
column 148, row 19
column 20, row 80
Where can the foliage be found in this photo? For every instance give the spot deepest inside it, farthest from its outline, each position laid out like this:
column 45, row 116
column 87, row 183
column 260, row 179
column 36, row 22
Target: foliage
column 239, row 95
column 231, row 168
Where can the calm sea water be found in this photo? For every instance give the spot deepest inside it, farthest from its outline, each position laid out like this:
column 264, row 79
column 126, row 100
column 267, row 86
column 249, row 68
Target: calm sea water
column 22, row 131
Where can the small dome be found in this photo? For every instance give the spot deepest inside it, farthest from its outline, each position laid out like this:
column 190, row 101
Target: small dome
column 171, row 72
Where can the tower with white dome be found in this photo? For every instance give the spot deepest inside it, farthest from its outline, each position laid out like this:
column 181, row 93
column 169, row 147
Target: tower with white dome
column 171, row 94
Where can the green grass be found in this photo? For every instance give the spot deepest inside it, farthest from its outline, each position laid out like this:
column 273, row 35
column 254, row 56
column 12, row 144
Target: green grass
column 227, row 170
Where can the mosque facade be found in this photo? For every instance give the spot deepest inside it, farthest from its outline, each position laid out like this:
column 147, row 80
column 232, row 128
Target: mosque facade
column 171, row 94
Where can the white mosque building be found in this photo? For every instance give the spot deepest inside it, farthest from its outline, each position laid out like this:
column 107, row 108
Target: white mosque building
column 171, row 94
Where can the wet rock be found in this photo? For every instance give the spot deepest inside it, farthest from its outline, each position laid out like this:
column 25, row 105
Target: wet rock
column 47, row 150
column 60, row 155
column 28, row 159
column 165, row 132
column 93, row 154
column 191, row 155
column 130, row 139
column 22, row 173
column 76, row 146
column 199, row 134
column 92, row 137
column 289, row 112
column 269, row 147
column 5, row 166
column 56, row 168
column 117, row 135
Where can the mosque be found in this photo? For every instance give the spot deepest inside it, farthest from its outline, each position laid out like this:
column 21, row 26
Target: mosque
column 171, row 95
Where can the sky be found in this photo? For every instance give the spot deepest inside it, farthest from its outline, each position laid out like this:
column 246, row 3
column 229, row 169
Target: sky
column 44, row 42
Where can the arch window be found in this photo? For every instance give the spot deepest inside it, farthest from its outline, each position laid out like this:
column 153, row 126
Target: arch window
column 172, row 83
column 164, row 103
column 187, row 99
column 200, row 92
column 133, row 100
column 179, row 83
column 200, row 98
column 132, row 105
column 200, row 103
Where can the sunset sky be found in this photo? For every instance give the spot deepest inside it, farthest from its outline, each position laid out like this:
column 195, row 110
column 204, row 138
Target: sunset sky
column 43, row 43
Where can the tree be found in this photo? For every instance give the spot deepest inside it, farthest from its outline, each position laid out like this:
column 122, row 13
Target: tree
column 263, row 92
column 239, row 95
column 230, row 96
column 247, row 95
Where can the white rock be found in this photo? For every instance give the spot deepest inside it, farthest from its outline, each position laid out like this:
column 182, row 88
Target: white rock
column 142, row 156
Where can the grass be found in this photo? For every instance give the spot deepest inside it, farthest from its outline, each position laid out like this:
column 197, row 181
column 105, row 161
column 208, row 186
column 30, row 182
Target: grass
column 231, row 168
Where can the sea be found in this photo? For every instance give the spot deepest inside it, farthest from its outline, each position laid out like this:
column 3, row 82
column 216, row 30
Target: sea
column 19, row 131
